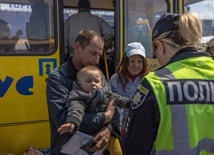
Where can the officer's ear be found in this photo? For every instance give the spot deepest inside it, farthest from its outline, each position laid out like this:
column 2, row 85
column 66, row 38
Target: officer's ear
column 160, row 47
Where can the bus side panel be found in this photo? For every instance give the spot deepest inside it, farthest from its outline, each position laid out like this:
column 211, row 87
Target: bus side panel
column 18, row 138
column 23, row 105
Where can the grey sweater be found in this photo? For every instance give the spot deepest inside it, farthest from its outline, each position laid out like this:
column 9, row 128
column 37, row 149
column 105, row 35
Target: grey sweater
column 80, row 102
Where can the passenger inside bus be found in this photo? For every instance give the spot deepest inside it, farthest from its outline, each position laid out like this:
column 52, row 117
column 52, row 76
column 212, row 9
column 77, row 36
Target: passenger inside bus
column 84, row 20
column 7, row 43
column 37, row 27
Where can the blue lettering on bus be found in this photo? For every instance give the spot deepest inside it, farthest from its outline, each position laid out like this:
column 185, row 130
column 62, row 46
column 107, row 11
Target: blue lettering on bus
column 24, row 84
column 5, row 85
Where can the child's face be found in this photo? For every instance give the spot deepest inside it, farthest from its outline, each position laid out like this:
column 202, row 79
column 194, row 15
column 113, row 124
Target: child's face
column 91, row 80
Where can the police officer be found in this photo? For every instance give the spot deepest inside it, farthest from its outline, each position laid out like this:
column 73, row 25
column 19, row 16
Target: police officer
column 173, row 108
column 85, row 20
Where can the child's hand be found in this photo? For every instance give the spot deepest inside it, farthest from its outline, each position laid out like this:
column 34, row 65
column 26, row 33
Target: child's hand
column 69, row 127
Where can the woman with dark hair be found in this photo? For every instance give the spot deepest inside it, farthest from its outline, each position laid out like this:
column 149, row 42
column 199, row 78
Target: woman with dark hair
column 130, row 72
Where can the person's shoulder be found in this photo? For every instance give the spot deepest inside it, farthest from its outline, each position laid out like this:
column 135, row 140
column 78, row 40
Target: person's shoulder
column 77, row 90
column 72, row 16
column 62, row 67
column 99, row 18
column 59, row 70
column 114, row 82
column 83, row 13
column 103, row 76
column 76, row 86
column 78, row 15
column 114, row 77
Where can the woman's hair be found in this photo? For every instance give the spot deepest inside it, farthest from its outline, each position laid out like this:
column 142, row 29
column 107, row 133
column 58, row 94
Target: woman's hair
column 122, row 70
column 189, row 32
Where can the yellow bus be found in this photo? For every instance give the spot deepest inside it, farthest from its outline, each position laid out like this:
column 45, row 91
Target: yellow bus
column 32, row 45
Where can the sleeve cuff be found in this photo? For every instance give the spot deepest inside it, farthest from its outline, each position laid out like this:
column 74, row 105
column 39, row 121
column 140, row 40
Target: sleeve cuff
column 74, row 120
column 113, row 131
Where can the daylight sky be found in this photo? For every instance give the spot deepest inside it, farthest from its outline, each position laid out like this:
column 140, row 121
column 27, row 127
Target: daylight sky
column 205, row 9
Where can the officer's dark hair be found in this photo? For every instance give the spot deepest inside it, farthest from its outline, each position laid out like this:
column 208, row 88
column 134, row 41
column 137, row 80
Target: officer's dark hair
column 84, row 4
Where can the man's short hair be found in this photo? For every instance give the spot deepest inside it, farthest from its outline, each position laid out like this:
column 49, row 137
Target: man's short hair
column 84, row 4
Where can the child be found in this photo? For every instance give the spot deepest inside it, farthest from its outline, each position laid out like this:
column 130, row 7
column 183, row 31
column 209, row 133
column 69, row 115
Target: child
column 88, row 96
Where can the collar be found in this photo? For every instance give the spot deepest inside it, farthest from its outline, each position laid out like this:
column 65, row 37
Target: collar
column 132, row 77
column 83, row 10
column 71, row 70
column 185, row 53
column 188, row 52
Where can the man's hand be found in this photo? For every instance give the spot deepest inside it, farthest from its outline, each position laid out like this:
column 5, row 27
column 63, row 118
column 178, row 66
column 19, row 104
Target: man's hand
column 102, row 139
column 109, row 111
column 69, row 127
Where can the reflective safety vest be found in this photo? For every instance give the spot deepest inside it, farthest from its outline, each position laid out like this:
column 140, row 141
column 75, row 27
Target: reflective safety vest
column 184, row 91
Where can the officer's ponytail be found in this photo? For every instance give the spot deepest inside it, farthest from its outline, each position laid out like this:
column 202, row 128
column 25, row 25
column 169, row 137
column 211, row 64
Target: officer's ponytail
column 190, row 29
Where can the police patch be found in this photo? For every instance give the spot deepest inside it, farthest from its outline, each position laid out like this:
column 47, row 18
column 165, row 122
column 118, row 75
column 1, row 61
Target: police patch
column 139, row 96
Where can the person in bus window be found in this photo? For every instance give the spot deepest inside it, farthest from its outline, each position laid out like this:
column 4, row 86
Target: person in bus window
column 37, row 27
column 88, row 48
column 130, row 71
column 88, row 96
column 173, row 108
column 5, row 32
column 210, row 47
column 84, row 20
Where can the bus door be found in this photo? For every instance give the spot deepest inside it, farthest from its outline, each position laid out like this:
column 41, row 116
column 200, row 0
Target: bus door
column 28, row 53
column 134, row 23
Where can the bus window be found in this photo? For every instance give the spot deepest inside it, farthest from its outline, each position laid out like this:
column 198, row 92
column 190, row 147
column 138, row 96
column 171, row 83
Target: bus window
column 107, row 15
column 140, row 18
column 140, row 32
column 205, row 9
column 28, row 26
